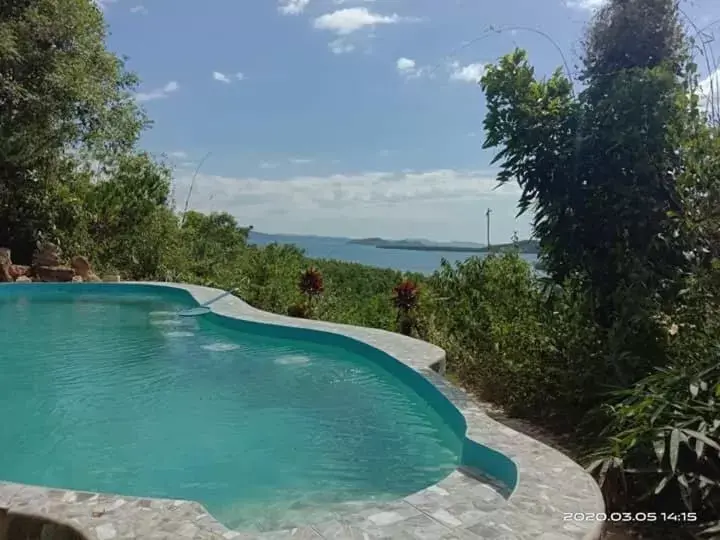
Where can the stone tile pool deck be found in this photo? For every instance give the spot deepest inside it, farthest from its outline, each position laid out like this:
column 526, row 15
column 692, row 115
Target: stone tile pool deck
column 460, row 507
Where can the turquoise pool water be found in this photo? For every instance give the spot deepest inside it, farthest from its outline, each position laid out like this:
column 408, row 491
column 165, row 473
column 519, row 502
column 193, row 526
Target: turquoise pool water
column 106, row 389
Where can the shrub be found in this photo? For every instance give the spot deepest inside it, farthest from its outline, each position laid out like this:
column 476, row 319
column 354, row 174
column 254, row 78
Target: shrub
column 311, row 285
column 405, row 299
column 663, row 447
column 486, row 314
column 299, row 310
column 662, row 441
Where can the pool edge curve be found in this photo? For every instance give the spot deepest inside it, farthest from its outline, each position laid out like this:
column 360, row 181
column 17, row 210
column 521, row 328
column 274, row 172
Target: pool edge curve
column 549, row 486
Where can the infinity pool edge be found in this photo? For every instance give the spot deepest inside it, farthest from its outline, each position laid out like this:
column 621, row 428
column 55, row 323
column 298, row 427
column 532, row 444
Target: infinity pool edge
column 549, row 485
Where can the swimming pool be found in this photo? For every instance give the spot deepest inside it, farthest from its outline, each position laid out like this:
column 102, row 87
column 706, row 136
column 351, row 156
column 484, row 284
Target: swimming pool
column 106, row 389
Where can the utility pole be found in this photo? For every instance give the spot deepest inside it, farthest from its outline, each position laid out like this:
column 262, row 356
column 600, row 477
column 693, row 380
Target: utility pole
column 488, row 226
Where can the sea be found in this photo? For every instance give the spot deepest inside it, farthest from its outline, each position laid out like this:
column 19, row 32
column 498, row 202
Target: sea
column 327, row 247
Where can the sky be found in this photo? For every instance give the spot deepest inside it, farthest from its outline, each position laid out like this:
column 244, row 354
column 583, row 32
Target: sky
column 351, row 118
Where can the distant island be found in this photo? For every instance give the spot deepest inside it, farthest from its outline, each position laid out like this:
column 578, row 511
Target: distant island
column 524, row 246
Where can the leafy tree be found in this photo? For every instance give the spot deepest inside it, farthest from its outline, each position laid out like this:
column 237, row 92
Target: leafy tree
column 601, row 169
column 212, row 244
column 64, row 99
column 623, row 178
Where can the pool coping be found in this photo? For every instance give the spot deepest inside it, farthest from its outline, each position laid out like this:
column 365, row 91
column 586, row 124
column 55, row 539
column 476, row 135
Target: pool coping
column 550, row 486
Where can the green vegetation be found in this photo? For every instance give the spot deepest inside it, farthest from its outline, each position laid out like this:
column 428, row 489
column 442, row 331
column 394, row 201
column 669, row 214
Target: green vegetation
column 618, row 345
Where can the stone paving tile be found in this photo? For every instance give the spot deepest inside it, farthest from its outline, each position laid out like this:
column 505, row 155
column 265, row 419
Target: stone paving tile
column 460, row 507
column 414, row 527
column 301, row 533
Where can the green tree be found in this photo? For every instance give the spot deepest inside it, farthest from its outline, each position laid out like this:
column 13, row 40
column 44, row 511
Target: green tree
column 127, row 221
column 623, row 179
column 601, row 169
column 65, row 100
column 214, row 245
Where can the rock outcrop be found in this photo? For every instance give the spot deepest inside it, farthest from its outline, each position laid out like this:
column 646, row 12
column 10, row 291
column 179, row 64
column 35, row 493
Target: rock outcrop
column 19, row 270
column 47, row 254
column 5, row 264
column 47, row 265
column 83, row 269
column 53, row 274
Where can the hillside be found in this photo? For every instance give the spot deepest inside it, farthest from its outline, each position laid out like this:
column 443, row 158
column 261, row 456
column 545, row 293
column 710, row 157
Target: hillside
column 525, row 246
column 418, row 244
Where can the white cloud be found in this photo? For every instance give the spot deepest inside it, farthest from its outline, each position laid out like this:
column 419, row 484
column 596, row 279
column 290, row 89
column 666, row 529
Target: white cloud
column 408, row 68
column 158, row 93
column 349, row 20
column 301, row 161
column 268, row 165
column 227, row 79
column 405, row 65
column 142, row 10
column 340, row 46
column 471, row 73
column 447, row 204
column 220, row 77
column 584, row 4
column 292, row 7
column 178, row 154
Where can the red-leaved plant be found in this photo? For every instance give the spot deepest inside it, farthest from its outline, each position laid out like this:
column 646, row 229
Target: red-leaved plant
column 311, row 285
column 405, row 299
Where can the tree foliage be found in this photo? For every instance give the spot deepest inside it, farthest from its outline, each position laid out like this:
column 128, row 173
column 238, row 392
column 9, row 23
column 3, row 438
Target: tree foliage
column 64, row 100
column 622, row 178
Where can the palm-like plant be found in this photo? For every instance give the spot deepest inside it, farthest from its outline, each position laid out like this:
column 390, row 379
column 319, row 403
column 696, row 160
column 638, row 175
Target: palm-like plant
column 405, row 299
column 311, row 285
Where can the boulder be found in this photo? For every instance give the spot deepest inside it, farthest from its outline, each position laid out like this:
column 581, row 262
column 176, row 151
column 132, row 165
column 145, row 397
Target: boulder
column 111, row 278
column 77, row 279
column 83, row 269
column 23, row 279
column 53, row 273
column 47, row 254
column 19, row 270
column 5, row 264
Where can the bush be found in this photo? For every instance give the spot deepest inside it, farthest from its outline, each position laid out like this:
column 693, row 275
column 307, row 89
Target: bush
column 405, row 297
column 487, row 314
column 663, row 452
column 662, row 442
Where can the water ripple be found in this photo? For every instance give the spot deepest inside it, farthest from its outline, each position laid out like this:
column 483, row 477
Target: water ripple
column 126, row 397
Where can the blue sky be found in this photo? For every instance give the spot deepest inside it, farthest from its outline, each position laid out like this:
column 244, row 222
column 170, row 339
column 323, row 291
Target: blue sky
column 338, row 117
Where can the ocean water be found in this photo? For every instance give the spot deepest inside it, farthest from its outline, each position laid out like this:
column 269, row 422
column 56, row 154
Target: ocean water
column 425, row 262
column 114, row 392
